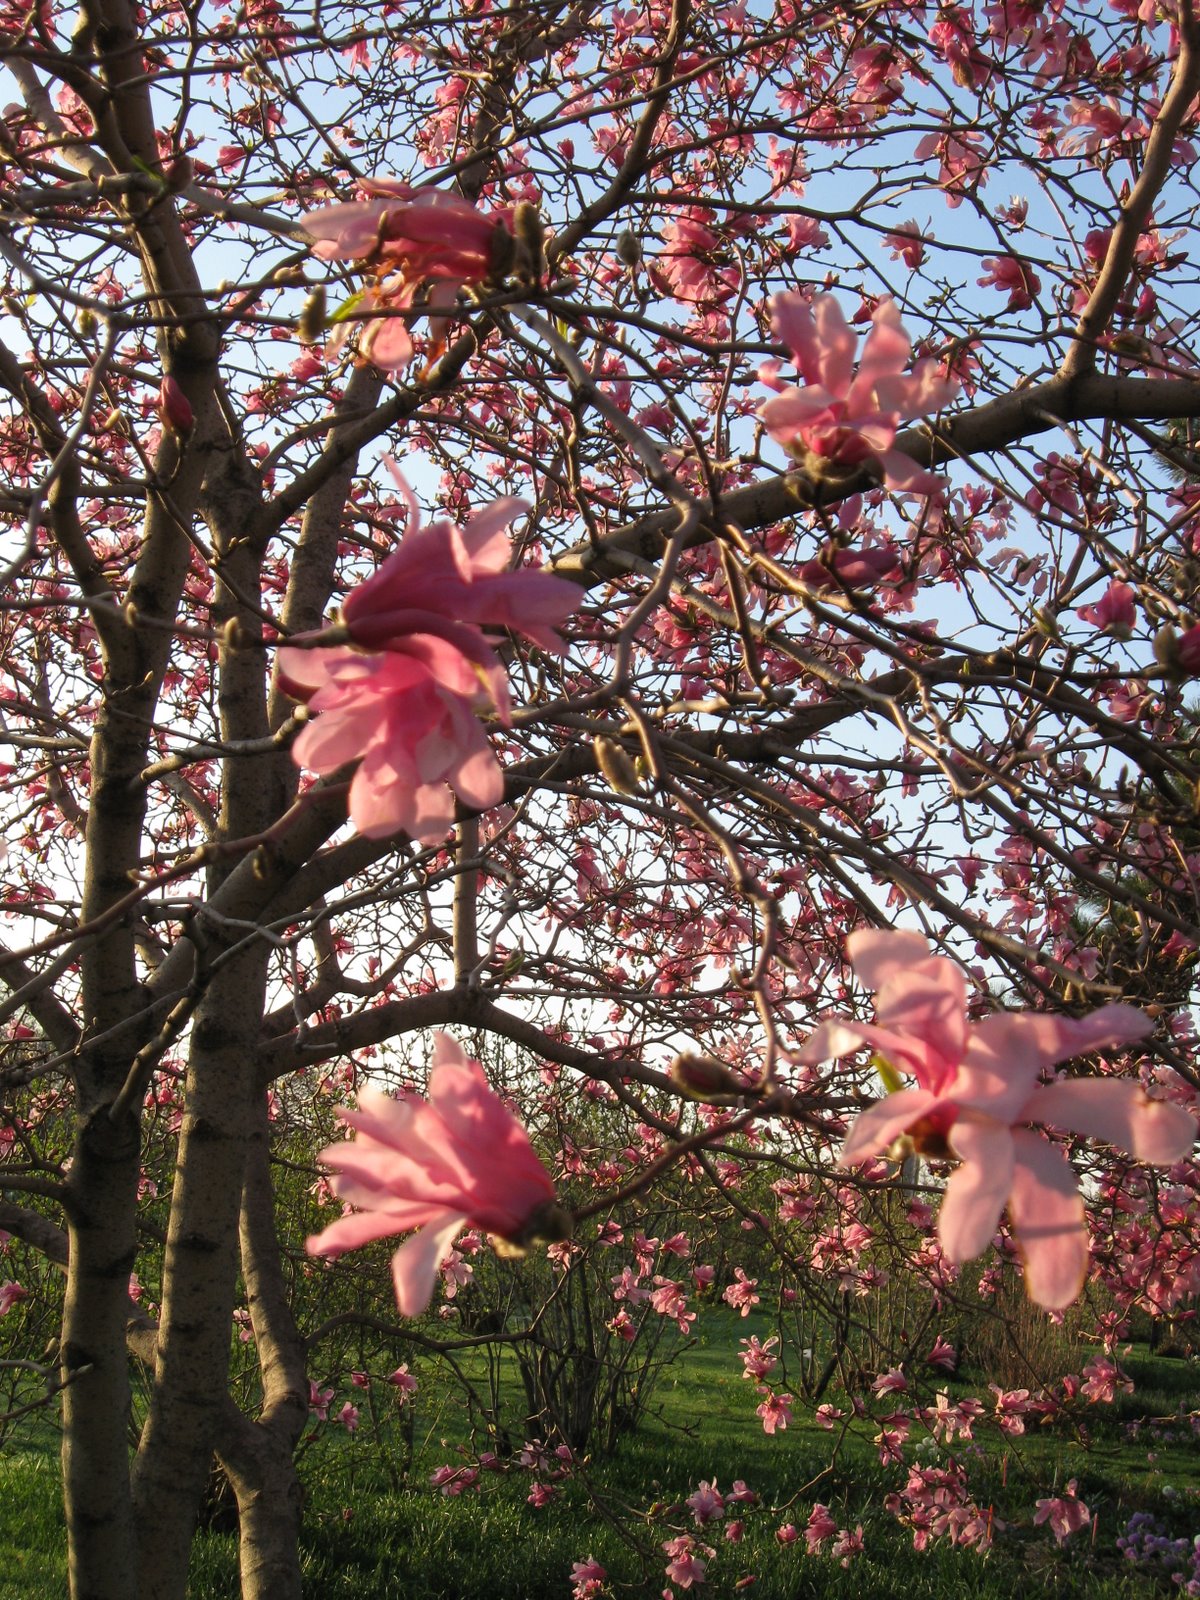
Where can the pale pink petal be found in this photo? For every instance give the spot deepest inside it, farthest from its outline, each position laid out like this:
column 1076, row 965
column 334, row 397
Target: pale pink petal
column 1006, row 1052
column 1046, row 1212
column 388, row 343
column 1119, row 1113
column 836, row 344
column 878, row 954
column 880, row 1124
column 415, row 1264
column 478, row 780
column 485, row 535
column 888, row 346
column 976, row 1193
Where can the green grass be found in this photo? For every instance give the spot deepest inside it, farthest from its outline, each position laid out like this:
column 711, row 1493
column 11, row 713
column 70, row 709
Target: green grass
column 365, row 1540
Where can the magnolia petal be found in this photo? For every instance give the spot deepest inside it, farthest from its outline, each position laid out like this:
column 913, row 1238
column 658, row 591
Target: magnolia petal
column 977, row 1191
column 877, row 954
column 880, row 1124
column 415, row 1264
column 1046, row 1212
column 1118, row 1112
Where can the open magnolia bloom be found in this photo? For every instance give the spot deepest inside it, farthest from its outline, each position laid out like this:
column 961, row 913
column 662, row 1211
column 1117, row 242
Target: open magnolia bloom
column 843, row 416
column 978, row 1090
column 410, row 240
column 459, row 1159
column 404, row 698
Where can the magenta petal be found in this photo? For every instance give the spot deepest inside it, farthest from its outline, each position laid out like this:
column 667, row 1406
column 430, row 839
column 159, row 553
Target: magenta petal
column 881, row 1123
column 976, row 1193
column 415, row 1264
column 1046, row 1212
column 1118, row 1112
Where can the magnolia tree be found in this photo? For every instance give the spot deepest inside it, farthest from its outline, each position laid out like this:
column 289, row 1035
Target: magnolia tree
column 662, row 540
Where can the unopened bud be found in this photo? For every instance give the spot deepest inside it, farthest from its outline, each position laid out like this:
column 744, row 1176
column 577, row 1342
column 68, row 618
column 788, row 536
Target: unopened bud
column 629, row 248
column 311, row 326
column 705, row 1078
column 174, row 408
column 179, row 174
column 530, row 232
column 502, row 250
column 616, row 766
column 1166, row 647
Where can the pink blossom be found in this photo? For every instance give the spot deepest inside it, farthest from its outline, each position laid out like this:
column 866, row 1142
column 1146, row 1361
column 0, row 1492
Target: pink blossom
column 318, row 1401
column 407, row 237
column 821, row 1526
column 1187, row 650
column 348, row 1417
column 1114, row 612
column 893, row 1382
column 404, row 1381
column 977, row 1089
column 706, row 1503
column 827, row 1416
column 856, row 569
column 1015, row 278
column 759, row 1360
column 943, row 1355
column 405, row 696
column 453, row 1480
column 788, row 1533
column 841, row 416
column 588, row 1578
column 906, row 244
column 461, row 1157
column 848, row 1545
column 1104, row 1379
column 775, row 1410
column 741, row 1295
column 11, row 1294
column 1065, row 1514
column 685, row 1567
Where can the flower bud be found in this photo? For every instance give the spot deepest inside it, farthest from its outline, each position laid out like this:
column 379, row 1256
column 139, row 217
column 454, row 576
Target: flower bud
column 629, row 248
column 311, row 325
column 705, row 1078
column 616, row 766
column 174, row 408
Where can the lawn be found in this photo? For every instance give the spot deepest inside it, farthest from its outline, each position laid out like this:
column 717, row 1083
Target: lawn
column 377, row 1534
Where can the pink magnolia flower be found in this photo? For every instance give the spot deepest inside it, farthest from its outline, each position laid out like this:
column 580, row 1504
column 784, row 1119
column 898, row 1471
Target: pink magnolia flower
column 407, row 238
column 706, row 1503
column 1012, row 277
column 842, row 416
column 1065, row 1514
column 11, row 1294
column 404, row 1381
column 848, row 1545
column 405, row 696
column 461, row 1157
column 685, row 1567
column 775, row 1410
column 977, row 1089
column 820, row 1526
column 348, row 1417
column 318, row 1401
column 588, row 1578
column 1114, row 612
column 741, row 1295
